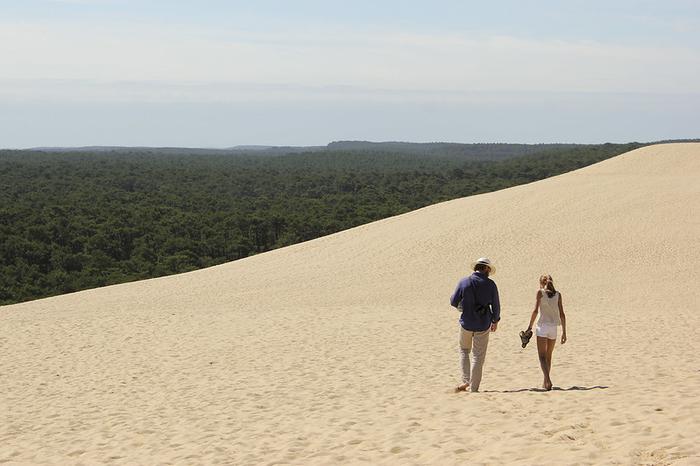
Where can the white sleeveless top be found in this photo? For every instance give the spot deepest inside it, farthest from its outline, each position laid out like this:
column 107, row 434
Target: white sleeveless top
column 549, row 309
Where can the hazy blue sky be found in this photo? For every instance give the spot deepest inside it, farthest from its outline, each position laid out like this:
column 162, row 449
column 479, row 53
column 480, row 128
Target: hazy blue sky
column 306, row 72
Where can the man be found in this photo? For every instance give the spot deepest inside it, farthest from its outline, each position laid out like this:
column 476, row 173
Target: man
column 477, row 297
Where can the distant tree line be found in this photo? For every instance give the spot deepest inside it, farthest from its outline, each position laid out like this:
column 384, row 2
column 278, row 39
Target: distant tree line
column 71, row 221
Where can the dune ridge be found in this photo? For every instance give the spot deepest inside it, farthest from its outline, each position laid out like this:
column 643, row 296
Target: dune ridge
column 344, row 349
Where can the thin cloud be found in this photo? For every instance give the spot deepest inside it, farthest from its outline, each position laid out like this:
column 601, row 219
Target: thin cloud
column 322, row 58
column 82, row 2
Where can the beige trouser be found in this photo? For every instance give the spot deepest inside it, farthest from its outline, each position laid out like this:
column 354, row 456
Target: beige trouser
column 476, row 342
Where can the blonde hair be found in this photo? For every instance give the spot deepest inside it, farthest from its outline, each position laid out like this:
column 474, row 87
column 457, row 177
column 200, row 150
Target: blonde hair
column 548, row 285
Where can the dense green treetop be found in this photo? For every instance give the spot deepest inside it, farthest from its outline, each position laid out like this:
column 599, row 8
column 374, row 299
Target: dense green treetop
column 83, row 219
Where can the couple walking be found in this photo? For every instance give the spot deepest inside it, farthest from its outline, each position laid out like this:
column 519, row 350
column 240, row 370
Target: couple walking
column 477, row 297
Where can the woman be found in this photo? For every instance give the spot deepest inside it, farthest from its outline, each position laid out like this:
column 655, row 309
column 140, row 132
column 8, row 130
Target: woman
column 552, row 315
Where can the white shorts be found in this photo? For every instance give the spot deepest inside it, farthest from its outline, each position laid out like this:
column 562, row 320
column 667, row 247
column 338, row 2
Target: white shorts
column 546, row 331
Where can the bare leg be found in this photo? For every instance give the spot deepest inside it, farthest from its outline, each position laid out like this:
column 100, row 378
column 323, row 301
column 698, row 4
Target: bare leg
column 550, row 351
column 542, row 353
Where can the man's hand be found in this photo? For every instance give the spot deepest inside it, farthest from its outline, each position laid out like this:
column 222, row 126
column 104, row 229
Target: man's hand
column 494, row 326
column 563, row 338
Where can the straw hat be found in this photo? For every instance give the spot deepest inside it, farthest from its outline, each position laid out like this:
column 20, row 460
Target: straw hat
column 487, row 262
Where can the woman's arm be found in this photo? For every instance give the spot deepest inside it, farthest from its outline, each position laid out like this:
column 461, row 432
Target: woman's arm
column 533, row 316
column 562, row 317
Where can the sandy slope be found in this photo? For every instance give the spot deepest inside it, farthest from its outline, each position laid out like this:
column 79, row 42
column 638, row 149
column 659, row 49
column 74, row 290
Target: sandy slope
column 343, row 350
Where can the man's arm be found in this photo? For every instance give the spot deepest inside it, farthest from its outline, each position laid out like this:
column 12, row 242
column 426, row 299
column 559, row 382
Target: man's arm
column 495, row 308
column 495, row 305
column 458, row 295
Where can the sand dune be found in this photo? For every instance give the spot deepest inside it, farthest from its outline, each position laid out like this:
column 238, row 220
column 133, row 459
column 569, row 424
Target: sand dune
column 343, row 350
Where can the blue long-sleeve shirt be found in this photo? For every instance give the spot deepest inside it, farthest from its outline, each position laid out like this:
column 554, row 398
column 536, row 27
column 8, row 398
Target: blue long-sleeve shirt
column 486, row 292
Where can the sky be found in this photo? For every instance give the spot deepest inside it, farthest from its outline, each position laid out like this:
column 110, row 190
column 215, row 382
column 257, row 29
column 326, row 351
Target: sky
column 306, row 72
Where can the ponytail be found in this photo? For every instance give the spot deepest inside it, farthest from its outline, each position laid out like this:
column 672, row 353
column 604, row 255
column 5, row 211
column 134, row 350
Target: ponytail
column 549, row 287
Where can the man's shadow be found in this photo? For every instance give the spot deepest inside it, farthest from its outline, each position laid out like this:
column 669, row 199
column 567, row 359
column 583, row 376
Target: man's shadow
column 560, row 389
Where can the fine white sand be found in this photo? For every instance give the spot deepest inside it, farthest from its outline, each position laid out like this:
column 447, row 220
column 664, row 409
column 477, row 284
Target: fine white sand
column 343, row 350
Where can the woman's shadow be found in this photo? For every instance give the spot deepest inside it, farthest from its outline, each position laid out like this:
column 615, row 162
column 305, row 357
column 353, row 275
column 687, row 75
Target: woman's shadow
column 560, row 389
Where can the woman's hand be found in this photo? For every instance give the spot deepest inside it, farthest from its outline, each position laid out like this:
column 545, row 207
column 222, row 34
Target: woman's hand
column 563, row 338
